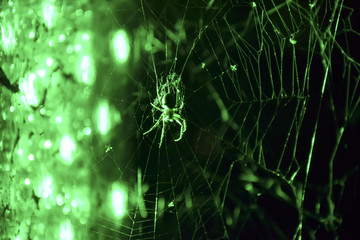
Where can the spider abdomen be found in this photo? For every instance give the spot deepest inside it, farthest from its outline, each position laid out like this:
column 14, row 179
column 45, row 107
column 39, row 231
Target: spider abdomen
column 169, row 100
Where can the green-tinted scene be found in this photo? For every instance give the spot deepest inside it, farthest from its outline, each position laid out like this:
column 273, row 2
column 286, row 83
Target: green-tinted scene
column 179, row 119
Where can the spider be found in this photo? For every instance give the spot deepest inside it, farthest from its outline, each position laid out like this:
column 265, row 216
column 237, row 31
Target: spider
column 170, row 109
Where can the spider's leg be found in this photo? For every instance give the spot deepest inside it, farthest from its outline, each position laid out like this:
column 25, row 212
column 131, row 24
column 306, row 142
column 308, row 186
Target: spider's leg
column 181, row 105
column 182, row 126
column 178, row 118
column 162, row 133
column 154, row 126
column 161, row 110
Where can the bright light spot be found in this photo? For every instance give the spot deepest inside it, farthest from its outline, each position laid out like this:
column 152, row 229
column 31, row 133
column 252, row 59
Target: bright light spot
column 31, row 118
column 66, row 232
column 51, row 43
column 32, row 76
column 86, row 72
column 67, row 147
column 87, row 131
column 47, row 144
column 31, row 157
column 106, row 117
column 61, row 38
column 85, row 37
column 74, row 203
column 20, row 152
column 78, row 47
column 46, row 187
column 12, row 108
column 27, row 88
column 31, row 35
column 67, row 195
column 49, row 14
column 118, row 200
column 85, row 62
column 103, row 118
column 58, row 119
column 69, row 49
column 59, row 200
column 49, row 61
column 120, row 45
column 7, row 38
column 66, row 210
column 41, row 73
column 27, row 181
column 42, row 111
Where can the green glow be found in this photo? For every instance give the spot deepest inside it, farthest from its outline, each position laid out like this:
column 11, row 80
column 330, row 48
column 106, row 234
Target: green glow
column 103, row 118
column 61, row 38
column 292, row 41
column 46, row 187
column 85, row 37
column 140, row 199
column 188, row 201
column 49, row 61
column 27, row 182
column 47, row 144
column 66, row 210
column 74, row 203
column 161, row 205
column 59, row 200
column 67, row 147
column 66, row 232
column 106, row 117
column 86, row 70
column 78, row 47
column 69, row 49
column 49, row 14
column 20, row 152
column 118, row 200
column 58, row 119
column 30, row 118
column 120, row 45
column 42, row 111
column 87, row 131
column 27, row 88
column 171, row 204
column 8, row 38
column 41, row 73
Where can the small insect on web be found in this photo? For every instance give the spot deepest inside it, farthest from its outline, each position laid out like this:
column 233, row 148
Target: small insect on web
column 170, row 108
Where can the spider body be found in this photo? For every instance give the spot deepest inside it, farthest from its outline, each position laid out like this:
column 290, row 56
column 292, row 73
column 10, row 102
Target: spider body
column 169, row 102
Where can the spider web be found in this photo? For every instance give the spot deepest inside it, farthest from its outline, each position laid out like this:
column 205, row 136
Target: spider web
column 267, row 120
